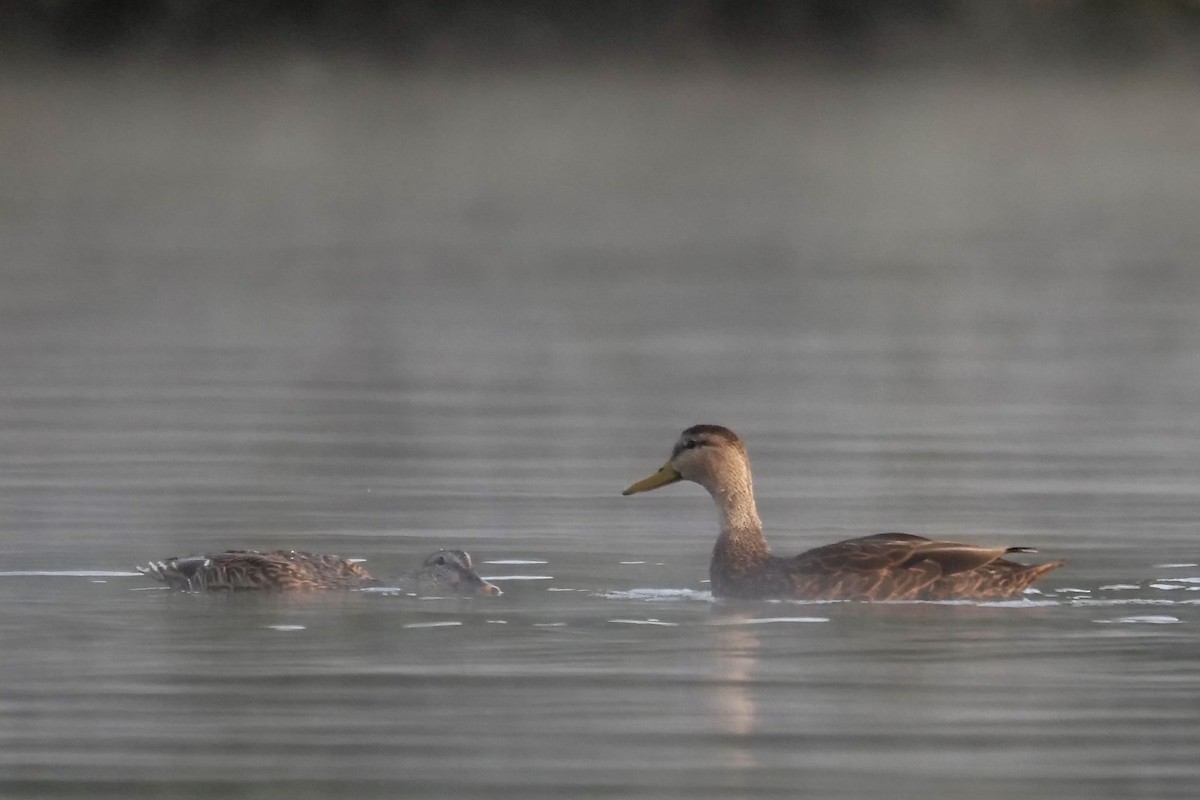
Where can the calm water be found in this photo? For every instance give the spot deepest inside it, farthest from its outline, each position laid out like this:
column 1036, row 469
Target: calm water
column 296, row 305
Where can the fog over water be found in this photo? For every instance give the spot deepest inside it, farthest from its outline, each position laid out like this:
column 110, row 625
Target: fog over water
column 323, row 303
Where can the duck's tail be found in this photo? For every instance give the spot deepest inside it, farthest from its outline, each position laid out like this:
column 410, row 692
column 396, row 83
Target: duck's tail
column 178, row 573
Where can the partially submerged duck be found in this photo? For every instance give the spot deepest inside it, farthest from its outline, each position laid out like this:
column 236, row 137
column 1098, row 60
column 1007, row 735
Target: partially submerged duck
column 886, row 566
column 446, row 572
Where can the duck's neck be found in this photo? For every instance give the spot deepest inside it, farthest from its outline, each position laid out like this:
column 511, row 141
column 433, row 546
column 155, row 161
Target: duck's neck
column 741, row 538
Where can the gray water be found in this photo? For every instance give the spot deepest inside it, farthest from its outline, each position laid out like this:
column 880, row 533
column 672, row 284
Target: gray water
column 372, row 312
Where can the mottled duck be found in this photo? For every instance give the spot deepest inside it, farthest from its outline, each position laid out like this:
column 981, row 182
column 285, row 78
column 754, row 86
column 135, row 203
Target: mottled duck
column 886, row 566
column 446, row 572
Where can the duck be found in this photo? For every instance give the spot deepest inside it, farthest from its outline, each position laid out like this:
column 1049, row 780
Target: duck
column 879, row 567
column 445, row 572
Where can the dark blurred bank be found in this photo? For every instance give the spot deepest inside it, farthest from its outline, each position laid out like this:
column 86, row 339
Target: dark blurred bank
column 861, row 30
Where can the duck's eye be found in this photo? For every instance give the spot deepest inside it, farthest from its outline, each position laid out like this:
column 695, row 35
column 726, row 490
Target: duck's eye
column 440, row 561
column 691, row 444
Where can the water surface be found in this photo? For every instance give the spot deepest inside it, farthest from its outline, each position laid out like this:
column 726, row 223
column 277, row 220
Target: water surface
column 380, row 313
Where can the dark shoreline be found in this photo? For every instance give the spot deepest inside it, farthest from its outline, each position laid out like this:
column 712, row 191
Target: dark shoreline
column 840, row 33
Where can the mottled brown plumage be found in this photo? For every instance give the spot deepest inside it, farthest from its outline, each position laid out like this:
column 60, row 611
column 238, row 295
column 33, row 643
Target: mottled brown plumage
column 886, row 566
column 446, row 572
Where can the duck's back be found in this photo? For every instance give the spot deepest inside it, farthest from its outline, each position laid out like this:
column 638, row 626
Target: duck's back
column 283, row 570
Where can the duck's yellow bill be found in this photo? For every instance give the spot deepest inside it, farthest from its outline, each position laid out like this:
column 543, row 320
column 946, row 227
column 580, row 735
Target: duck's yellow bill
column 665, row 475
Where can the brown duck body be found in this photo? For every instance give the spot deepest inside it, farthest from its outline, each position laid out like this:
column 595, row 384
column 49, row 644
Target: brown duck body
column 237, row 570
column 448, row 571
column 885, row 566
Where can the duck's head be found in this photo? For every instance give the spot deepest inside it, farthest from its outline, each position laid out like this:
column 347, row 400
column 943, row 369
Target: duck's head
column 453, row 558
column 710, row 455
column 451, row 571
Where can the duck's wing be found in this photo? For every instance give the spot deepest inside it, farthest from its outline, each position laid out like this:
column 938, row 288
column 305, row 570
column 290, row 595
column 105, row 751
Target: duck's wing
column 338, row 572
column 902, row 566
column 887, row 551
column 250, row 569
